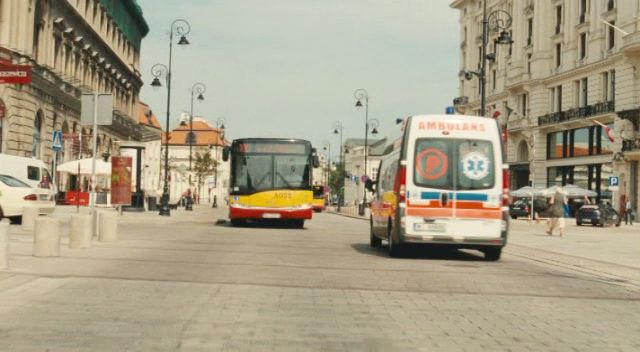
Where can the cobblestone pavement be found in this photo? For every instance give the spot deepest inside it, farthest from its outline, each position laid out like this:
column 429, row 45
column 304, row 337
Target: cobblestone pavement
column 187, row 284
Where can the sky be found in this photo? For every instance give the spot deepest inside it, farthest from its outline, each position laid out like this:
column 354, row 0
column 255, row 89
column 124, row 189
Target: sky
column 289, row 68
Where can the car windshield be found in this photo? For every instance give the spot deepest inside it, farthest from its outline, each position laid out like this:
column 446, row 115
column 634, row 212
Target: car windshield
column 13, row 182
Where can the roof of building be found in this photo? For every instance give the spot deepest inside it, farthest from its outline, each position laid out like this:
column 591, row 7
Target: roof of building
column 146, row 116
column 128, row 16
column 204, row 134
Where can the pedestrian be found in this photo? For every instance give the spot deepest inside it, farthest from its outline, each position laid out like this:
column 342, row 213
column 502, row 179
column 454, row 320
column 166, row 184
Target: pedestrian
column 628, row 213
column 556, row 209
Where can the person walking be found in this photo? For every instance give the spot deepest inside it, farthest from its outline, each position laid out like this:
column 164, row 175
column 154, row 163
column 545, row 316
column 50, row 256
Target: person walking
column 557, row 204
column 628, row 213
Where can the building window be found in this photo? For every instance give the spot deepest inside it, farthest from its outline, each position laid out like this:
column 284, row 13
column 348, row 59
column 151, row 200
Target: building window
column 611, row 4
column 529, row 31
column 583, row 11
column 583, row 45
column 37, row 132
column 558, row 55
column 524, row 104
column 611, row 37
column 558, row 19
column 528, row 63
column 493, row 79
column 556, row 99
column 581, row 140
column 576, row 92
column 556, row 145
column 584, row 92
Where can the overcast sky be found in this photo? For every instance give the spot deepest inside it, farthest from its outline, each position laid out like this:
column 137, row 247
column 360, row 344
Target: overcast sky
column 288, row 68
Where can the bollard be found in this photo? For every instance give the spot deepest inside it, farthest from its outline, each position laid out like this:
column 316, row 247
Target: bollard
column 29, row 216
column 81, row 226
column 46, row 240
column 108, row 227
column 4, row 245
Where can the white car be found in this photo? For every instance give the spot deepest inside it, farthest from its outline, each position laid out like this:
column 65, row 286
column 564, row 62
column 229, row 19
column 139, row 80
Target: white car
column 16, row 195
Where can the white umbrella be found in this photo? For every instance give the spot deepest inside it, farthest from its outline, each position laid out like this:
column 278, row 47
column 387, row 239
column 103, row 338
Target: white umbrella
column 526, row 191
column 71, row 167
column 571, row 191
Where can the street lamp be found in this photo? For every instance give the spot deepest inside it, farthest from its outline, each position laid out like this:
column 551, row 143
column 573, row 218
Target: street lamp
column 198, row 90
column 362, row 95
column 182, row 28
column 221, row 129
column 327, row 148
column 498, row 20
column 337, row 130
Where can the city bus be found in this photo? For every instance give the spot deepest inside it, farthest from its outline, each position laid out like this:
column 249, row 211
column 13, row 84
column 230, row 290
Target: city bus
column 319, row 198
column 271, row 178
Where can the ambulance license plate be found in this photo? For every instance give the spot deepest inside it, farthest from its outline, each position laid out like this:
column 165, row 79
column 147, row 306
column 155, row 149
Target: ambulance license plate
column 433, row 227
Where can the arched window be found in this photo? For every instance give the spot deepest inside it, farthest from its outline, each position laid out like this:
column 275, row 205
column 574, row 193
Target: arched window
column 523, row 151
column 37, row 133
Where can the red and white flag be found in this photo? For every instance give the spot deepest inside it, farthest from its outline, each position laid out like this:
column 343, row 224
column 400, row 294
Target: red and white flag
column 607, row 130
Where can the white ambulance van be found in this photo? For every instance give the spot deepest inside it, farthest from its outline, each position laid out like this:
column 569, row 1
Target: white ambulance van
column 446, row 184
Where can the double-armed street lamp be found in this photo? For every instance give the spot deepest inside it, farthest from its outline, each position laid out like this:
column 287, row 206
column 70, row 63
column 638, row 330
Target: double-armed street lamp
column 362, row 99
column 498, row 21
column 327, row 148
column 180, row 28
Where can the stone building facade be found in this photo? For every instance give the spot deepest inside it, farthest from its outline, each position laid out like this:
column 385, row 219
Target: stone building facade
column 73, row 46
column 573, row 67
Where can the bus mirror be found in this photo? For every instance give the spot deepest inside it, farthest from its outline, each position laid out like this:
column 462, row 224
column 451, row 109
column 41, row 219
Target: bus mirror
column 316, row 162
column 225, row 153
column 370, row 185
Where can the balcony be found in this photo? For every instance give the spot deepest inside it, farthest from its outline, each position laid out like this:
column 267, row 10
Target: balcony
column 521, row 123
column 632, row 145
column 631, row 45
column 577, row 113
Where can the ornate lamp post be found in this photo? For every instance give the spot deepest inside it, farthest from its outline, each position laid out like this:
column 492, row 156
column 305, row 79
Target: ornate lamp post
column 362, row 95
column 498, row 20
column 197, row 91
column 337, row 130
column 180, row 28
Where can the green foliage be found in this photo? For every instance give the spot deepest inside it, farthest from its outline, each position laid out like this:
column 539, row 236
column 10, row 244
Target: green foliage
column 336, row 180
column 204, row 165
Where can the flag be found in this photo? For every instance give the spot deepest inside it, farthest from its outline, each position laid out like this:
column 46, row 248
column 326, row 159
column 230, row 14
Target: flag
column 496, row 114
column 607, row 130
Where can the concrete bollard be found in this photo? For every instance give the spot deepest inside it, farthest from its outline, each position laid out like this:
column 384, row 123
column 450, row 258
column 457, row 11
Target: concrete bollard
column 29, row 216
column 108, row 227
column 81, row 231
column 46, row 240
column 4, row 245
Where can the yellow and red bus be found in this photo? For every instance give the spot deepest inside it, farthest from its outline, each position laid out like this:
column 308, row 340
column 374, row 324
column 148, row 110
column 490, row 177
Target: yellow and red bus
column 271, row 178
column 319, row 198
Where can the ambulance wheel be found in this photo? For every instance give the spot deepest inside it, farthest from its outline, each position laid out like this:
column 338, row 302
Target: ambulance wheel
column 395, row 248
column 374, row 240
column 492, row 254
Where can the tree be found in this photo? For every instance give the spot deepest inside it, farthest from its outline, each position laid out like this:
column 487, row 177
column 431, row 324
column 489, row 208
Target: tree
column 336, row 180
column 203, row 166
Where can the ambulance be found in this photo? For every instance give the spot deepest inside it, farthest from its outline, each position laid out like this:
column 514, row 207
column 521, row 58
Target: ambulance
column 445, row 183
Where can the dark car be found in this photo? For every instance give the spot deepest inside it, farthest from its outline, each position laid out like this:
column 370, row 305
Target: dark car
column 521, row 208
column 597, row 215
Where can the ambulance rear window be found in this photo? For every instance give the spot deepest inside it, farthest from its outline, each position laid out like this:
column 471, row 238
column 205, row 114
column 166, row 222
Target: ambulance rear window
column 435, row 160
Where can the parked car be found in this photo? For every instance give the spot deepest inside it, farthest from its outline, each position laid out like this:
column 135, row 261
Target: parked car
column 597, row 215
column 521, row 208
column 16, row 195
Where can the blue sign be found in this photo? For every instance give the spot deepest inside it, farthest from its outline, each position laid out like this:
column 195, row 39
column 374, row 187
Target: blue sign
column 614, row 181
column 57, row 141
column 450, row 110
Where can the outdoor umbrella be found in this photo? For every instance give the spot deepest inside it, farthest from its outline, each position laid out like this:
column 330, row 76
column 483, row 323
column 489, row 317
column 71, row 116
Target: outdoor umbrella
column 71, row 167
column 572, row 191
column 526, row 191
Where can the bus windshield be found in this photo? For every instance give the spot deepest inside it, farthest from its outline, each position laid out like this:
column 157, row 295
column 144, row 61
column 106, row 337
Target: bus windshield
column 260, row 172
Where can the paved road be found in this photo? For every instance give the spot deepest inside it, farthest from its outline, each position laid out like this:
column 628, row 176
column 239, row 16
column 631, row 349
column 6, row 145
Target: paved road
column 187, row 284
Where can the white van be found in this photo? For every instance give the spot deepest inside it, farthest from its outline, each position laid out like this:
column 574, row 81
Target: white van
column 28, row 170
column 445, row 184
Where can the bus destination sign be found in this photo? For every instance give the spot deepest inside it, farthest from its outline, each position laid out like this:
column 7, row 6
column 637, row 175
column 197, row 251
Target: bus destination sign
column 271, row 148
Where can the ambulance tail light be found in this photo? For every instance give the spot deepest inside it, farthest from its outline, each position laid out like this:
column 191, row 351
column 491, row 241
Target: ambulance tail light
column 505, row 187
column 400, row 184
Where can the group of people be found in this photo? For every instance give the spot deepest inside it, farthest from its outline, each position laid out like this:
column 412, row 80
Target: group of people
column 558, row 205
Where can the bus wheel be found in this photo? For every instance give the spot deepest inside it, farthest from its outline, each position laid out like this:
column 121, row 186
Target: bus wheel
column 237, row 222
column 374, row 241
column 492, row 254
column 297, row 224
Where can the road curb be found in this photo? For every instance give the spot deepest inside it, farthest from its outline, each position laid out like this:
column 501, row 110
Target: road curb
column 347, row 215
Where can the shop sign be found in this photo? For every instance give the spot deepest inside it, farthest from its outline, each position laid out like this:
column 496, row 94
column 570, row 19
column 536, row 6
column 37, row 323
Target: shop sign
column 15, row 74
column 121, row 180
